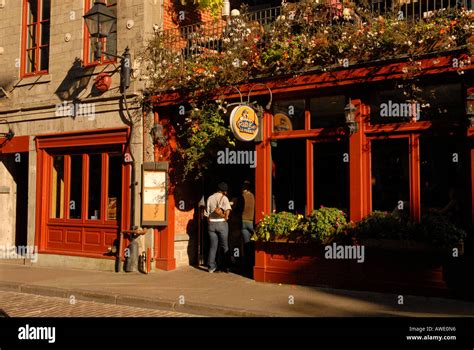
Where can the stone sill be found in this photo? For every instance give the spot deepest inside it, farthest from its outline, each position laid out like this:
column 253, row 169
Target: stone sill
column 181, row 237
column 38, row 79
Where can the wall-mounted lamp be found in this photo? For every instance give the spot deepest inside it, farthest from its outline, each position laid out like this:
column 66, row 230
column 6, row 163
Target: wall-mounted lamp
column 9, row 134
column 349, row 111
column 470, row 107
column 157, row 135
column 100, row 20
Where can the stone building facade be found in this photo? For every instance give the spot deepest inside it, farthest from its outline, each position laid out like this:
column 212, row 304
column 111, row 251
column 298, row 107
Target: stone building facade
column 51, row 167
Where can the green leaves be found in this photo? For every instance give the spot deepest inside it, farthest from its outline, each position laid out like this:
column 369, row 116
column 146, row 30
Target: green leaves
column 303, row 37
column 277, row 226
column 205, row 133
column 326, row 225
column 214, row 6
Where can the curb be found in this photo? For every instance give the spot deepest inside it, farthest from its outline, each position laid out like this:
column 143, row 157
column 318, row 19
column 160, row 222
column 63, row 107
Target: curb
column 133, row 301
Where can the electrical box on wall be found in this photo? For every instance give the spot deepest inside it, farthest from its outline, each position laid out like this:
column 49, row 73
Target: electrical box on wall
column 2, row 4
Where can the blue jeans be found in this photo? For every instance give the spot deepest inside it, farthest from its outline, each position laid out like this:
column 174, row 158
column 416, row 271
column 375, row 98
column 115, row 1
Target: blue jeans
column 247, row 230
column 219, row 236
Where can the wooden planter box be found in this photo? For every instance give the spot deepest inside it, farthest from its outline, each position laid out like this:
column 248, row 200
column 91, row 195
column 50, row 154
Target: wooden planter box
column 389, row 266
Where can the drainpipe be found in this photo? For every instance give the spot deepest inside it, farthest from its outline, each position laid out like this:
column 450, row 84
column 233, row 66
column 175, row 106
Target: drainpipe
column 133, row 177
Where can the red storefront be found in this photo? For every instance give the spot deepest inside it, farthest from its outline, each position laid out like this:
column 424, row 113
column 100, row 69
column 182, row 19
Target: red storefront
column 83, row 192
column 386, row 160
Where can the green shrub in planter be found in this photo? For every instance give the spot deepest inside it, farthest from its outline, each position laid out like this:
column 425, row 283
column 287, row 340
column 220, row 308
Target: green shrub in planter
column 323, row 224
column 437, row 230
column 277, row 226
column 383, row 225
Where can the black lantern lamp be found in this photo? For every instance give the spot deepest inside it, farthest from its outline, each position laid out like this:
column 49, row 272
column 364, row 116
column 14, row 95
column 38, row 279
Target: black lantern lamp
column 9, row 134
column 350, row 114
column 100, row 21
column 157, row 135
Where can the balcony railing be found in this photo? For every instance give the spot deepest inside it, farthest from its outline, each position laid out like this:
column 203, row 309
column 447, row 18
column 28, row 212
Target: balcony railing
column 205, row 37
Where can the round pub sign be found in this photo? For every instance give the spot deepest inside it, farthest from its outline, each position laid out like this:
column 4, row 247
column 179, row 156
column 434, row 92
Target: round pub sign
column 282, row 122
column 244, row 123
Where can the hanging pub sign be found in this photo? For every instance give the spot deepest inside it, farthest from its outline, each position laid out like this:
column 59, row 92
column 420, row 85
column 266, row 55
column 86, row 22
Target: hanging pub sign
column 281, row 122
column 244, row 123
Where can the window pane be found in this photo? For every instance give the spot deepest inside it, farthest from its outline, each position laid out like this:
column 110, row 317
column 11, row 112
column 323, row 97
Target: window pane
column 390, row 106
column 327, row 111
column 57, row 188
column 442, row 102
column 31, row 37
column 44, row 56
column 331, row 175
column 46, row 10
column 111, row 41
column 111, row 46
column 75, row 190
column 390, row 176
column 45, row 33
column 30, row 61
column 115, row 187
column 95, row 186
column 32, row 11
column 288, row 115
column 289, row 175
column 443, row 180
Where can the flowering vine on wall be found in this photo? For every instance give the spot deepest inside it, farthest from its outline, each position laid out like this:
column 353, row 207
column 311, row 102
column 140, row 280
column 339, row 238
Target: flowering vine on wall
column 305, row 36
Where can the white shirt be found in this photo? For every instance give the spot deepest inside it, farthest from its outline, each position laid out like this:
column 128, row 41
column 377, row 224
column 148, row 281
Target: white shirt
column 220, row 200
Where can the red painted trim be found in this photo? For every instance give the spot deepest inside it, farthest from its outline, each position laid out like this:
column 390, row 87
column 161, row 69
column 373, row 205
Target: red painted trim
column 263, row 171
column 40, row 178
column 309, row 177
column 164, row 237
column 472, row 183
column 327, row 132
column 18, row 144
column 65, row 141
column 23, row 39
column 166, row 260
column 84, row 138
column 414, row 169
column 37, row 49
column 370, row 72
column 357, row 167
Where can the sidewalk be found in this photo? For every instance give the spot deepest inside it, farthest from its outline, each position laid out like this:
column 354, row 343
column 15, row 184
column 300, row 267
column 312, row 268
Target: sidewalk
column 195, row 291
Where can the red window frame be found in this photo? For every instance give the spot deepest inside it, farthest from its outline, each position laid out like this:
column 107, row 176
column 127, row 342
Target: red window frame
column 105, row 153
column 87, row 40
column 38, row 46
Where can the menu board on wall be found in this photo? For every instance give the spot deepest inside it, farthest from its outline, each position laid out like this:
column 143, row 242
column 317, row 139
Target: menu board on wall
column 154, row 194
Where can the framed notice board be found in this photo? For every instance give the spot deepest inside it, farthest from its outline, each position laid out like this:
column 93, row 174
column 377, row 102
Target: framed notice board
column 155, row 194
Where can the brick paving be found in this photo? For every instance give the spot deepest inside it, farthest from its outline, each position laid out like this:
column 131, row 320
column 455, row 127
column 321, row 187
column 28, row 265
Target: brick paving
column 29, row 305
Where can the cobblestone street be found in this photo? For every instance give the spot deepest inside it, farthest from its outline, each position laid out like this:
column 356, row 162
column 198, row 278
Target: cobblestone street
column 28, row 305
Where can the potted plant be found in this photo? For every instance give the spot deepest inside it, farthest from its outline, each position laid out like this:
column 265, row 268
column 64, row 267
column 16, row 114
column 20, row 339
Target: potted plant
column 291, row 248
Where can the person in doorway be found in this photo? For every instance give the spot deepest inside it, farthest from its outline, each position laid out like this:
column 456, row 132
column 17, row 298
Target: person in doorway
column 248, row 214
column 218, row 209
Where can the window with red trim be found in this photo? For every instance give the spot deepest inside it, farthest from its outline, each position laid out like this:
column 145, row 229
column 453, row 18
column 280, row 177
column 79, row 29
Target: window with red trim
column 86, row 186
column 109, row 44
column 36, row 30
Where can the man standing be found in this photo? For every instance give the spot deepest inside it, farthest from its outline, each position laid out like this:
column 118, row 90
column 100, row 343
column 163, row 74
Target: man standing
column 218, row 210
column 248, row 214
